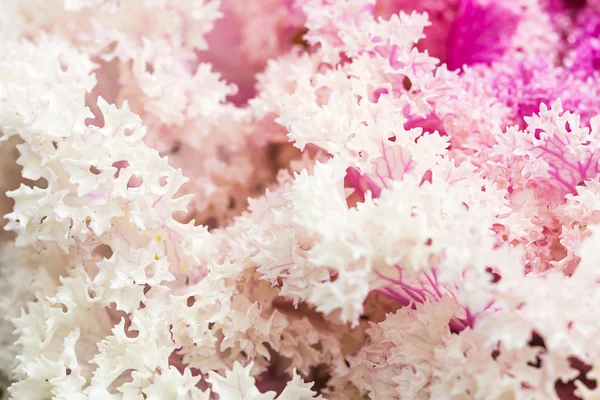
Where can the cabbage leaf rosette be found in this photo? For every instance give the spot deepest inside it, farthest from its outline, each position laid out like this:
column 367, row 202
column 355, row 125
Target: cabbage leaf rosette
column 300, row 199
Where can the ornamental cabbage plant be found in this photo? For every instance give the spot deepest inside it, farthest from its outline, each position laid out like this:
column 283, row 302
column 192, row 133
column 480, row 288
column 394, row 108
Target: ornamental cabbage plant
column 300, row 199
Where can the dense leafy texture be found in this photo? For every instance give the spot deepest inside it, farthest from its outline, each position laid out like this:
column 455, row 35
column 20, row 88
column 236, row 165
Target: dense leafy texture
column 293, row 200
